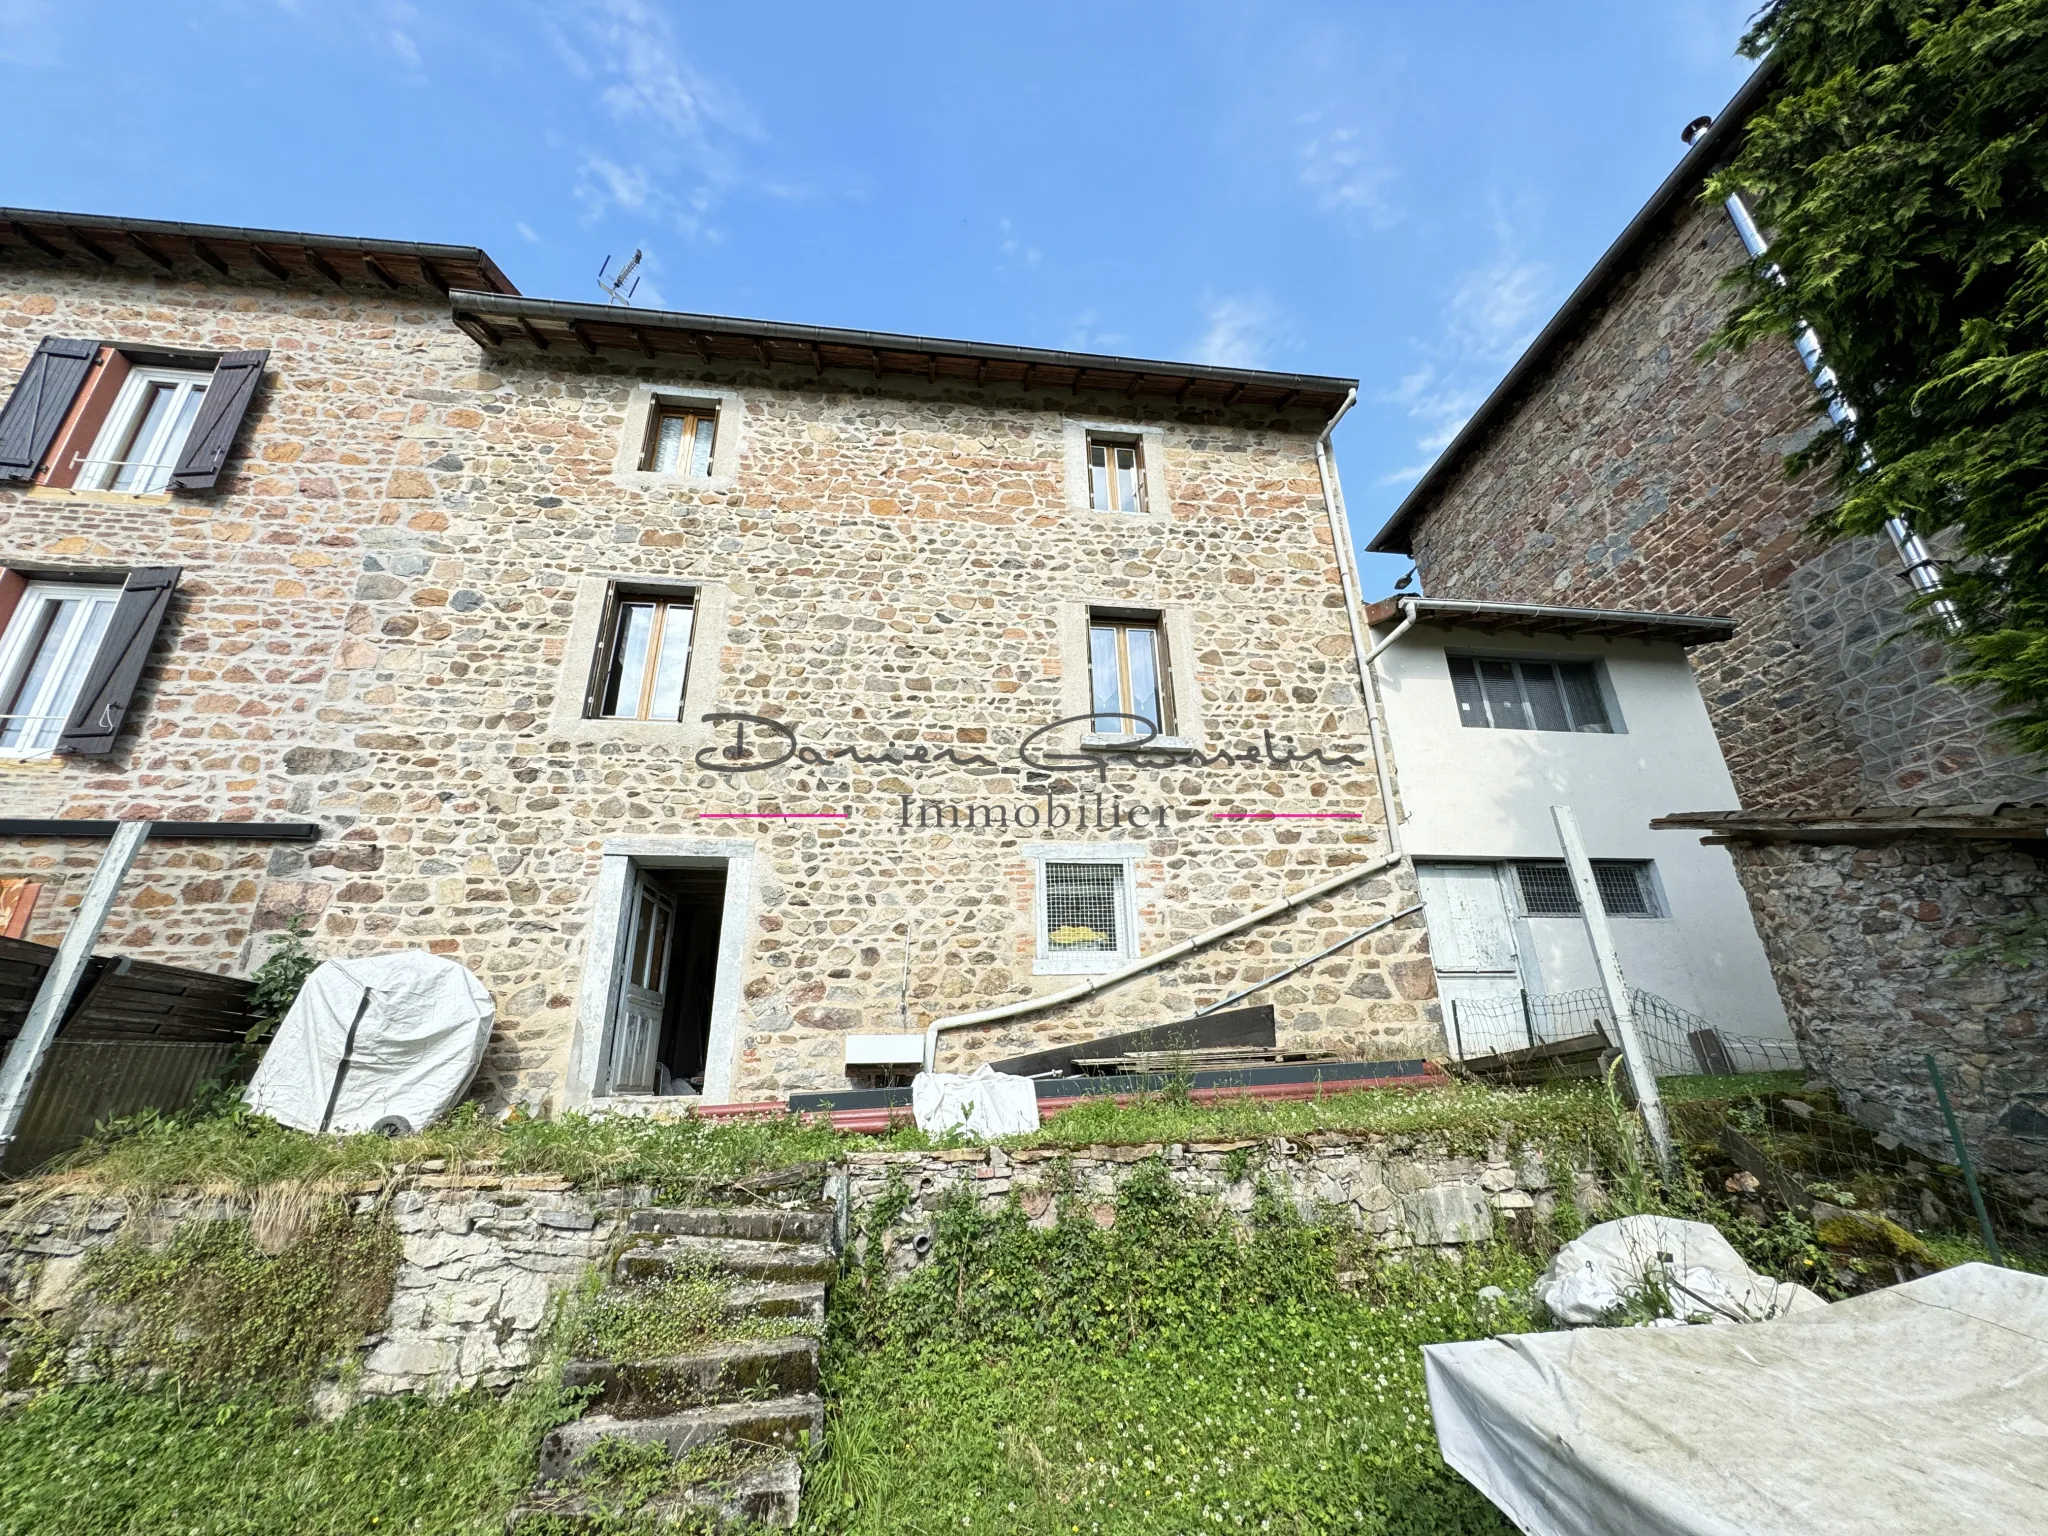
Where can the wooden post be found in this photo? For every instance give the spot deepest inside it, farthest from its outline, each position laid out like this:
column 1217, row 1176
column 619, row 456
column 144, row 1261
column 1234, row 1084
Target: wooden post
column 1640, row 1072
column 25, row 1056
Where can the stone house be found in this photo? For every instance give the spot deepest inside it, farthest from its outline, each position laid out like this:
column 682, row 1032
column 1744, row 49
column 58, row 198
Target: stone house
column 1615, row 466
column 720, row 692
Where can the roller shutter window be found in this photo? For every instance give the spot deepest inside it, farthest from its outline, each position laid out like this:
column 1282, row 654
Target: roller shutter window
column 103, row 701
column 235, row 378
column 41, row 400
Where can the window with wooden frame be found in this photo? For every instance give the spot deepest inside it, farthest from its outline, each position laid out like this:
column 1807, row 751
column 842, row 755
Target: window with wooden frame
column 1504, row 694
column 1127, row 676
column 90, row 416
column 72, row 655
column 679, row 439
column 1116, row 474
column 643, row 658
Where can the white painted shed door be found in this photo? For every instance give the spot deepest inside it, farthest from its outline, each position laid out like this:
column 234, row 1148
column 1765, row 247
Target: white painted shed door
column 642, row 995
column 1472, row 943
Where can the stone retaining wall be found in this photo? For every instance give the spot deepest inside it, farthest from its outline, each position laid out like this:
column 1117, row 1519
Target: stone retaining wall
column 1404, row 1192
column 483, row 1260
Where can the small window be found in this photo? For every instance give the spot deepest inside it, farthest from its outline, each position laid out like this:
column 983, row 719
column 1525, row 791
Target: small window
column 1506, row 695
column 45, row 656
column 679, row 439
column 1116, row 476
column 1127, row 676
column 1084, row 916
column 644, row 660
column 1625, row 885
column 145, row 432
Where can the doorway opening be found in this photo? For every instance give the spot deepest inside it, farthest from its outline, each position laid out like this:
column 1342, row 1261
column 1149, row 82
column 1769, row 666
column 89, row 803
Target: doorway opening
column 662, row 1004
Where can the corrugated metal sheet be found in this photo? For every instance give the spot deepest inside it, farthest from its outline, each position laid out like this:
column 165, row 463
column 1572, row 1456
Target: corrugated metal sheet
column 84, row 1082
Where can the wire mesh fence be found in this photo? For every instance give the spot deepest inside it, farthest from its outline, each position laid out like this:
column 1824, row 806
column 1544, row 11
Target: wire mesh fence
column 1678, row 1041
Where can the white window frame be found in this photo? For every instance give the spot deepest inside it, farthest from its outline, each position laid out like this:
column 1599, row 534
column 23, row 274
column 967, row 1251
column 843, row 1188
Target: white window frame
column 1616, row 726
column 14, row 652
column 100, row 469
column 1121, row 856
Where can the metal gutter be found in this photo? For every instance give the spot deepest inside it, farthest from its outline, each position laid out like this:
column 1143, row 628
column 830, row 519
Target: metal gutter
column 1707, row 151
column 1684, row 628
column 515, row 307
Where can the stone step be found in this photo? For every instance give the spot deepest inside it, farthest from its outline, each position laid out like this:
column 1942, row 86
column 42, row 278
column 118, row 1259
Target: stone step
column 754, row 1223
column 762, row 1496
column 776, row 1421
column 718, row 1373
column 783, row 1263
column 805, row 1301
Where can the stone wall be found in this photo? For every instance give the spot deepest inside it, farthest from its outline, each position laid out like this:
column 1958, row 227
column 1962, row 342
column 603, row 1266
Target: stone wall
column 1864, row 943
column 483, row 1261
column 1403, row 1192
column 374, row 633
column 1633, row 474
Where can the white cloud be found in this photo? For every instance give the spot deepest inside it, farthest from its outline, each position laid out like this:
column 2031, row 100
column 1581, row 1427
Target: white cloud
column 1085, row 335
column 1242, row 331
column 526, row 231
column 407, row 50
column 605, row 184
column 1011, row 252
column 1345, row 177
column 1488, row 320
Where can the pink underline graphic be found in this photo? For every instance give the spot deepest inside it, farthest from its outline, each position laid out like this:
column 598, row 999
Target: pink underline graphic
column 771, row 815
column 1285, row 815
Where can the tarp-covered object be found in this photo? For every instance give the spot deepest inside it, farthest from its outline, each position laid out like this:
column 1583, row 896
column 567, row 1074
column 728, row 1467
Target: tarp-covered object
column 1921, row 1410
column 1687, row 1267
column 987, row 1103
column 389, row 1035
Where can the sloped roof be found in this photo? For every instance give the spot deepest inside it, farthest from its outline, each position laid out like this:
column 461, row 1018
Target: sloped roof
column 2016, row 820
column 512, row 324
column 1543, row 619
column 224, row 250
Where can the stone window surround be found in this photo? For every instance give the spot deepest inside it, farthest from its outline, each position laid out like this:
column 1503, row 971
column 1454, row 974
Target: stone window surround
column 1176, row 624
column 604, row 956
column 725, row 442
column 1125, row 855
column 1151, row 442
column 566, row 720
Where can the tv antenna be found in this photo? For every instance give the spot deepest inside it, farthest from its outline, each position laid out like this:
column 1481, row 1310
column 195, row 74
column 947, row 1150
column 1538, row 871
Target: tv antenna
column 621, row 285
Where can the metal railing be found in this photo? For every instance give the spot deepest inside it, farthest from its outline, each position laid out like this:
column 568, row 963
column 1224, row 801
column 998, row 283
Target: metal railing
column 1678, row 1041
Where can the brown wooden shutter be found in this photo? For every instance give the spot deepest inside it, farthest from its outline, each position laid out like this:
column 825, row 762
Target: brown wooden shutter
column 102, row 707
column 601, row 656
column 235, row 378
column 40, row 402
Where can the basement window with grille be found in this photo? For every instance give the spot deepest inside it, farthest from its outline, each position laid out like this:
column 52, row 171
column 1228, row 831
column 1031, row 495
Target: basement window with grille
column 1084, row 915
column 1505, row 694
column 1627, row 888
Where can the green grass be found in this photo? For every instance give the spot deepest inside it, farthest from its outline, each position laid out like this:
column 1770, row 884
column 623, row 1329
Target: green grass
column 1164, row 1376
column 103, row 1461
column 230, row 1151
column 671, row 1316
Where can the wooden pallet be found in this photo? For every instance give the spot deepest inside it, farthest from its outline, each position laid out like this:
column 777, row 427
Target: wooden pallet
column 1582, row 1056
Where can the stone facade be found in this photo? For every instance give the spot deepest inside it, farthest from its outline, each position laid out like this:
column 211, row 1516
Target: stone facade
column 1864, row 943
column 1634, row 474
column 1402, row 1192
column 374, row 632
column 484, row 1261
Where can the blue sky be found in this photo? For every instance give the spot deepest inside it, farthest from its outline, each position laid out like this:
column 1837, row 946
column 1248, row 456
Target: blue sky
column 1400, row 193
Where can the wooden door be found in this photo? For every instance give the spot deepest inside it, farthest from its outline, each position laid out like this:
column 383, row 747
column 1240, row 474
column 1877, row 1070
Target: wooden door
column 642, row 993
column 1478, row 966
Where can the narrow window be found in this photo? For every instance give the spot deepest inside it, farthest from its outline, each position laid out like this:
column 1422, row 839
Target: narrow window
column 645, row 659
column 45, row 655
column 1116, row 476
column 145, row 432
column 1505, row 695
column 1127, row 676
column 679, row 439
column 1626, row 889
column 1625, row 885
column 1083, row 909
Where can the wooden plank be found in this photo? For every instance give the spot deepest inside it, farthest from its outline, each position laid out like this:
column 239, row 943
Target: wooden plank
column 1237, row 1027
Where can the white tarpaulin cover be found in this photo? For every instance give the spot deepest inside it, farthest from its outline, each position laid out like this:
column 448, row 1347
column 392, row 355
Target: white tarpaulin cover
column 1921, row 1410
column 1696, row 1275
column 420, row 1024
column 987, row 1103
